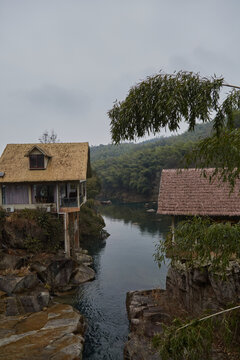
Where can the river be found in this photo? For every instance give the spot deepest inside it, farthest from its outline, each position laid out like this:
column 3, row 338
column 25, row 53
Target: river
column 124, row 262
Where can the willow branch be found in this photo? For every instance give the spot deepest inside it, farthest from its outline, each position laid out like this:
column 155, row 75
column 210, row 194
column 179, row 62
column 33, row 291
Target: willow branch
column 232, row 86
column 210, row 316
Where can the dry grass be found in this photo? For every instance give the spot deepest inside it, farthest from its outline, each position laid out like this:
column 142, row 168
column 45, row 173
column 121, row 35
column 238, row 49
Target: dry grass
column 23, row 271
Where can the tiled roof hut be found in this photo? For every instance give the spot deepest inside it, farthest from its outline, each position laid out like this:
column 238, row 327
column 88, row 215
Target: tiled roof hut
column 186, row 192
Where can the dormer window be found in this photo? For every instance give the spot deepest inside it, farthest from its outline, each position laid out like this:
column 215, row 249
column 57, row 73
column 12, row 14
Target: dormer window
column 38, row 158
column 36, row 161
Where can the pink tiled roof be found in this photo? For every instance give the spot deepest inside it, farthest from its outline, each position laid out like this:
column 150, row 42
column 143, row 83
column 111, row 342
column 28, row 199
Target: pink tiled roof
column 186, row 192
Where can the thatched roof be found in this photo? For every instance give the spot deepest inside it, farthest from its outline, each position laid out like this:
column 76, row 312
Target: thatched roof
column 67, row 161
column 37, row 147
column 186, row 192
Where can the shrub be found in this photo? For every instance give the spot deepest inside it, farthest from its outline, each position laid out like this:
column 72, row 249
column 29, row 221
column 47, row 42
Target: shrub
column 93, row 186
column 91, row 223
column 201, row 241
column 2, row 219
column 42, row 231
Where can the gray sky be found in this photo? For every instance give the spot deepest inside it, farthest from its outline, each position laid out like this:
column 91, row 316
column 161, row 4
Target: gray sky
column 64, row 62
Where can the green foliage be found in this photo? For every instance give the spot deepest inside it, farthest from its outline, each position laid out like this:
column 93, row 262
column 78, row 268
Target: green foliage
column 190, row 343
column 91, row 223
column 136, row 168
column 93, row 186
column 221, row 152
column 33, row 245
column 200, row 242
column 41, row 230
column 165, row 100
column 194, row 340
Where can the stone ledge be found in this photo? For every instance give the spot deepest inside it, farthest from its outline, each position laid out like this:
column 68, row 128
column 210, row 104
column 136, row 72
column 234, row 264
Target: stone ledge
column 55, row 333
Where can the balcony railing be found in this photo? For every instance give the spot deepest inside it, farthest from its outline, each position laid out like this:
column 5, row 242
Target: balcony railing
column 69, row 202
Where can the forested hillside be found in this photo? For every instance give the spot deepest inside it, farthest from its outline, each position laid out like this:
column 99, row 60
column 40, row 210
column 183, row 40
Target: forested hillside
column 131, row 172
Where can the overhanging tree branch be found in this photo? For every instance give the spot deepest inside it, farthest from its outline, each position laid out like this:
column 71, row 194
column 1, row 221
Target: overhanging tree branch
column 167, row 99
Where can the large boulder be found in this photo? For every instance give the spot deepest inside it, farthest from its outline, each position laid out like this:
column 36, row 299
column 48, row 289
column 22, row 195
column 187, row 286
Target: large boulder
column 58, row 273
column 22, row 294
column 30, row 302
column 17, row 284
column 138, row 348
column 65, row 274
column 145, row 318
column 8, row 283
column 55, row 333
column 11, row 261
column 84, row 259
column 82, row 274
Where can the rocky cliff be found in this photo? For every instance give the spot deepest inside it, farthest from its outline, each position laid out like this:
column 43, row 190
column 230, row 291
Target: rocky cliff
column 187, row 293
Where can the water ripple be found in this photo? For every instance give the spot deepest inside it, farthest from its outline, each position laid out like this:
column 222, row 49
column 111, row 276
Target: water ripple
column 125, row 263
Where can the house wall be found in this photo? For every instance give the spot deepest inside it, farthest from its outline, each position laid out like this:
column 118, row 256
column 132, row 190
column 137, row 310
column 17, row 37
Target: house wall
column 22, row 196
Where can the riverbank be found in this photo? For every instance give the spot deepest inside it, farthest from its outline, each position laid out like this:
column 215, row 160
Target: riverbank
column 32, row 324
column 32, row 282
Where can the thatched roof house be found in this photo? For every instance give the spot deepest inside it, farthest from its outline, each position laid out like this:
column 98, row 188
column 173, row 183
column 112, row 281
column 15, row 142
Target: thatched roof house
column 47, row 174
column 186, row 192
column 66, row 162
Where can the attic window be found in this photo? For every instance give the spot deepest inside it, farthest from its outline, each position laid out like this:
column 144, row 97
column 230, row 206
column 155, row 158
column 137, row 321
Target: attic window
column 36, row 161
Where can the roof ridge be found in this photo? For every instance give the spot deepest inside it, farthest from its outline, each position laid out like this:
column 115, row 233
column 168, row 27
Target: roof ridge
column 40, row 144
column 186, row 169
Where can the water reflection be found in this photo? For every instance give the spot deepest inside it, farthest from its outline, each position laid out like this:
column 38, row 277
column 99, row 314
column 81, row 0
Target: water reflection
column 137, row 214
column 124, row 263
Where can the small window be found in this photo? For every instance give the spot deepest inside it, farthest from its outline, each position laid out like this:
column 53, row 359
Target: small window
column 36, row 161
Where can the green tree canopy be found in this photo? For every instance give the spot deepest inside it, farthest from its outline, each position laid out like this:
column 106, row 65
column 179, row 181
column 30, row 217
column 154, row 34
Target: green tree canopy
column 164, row 100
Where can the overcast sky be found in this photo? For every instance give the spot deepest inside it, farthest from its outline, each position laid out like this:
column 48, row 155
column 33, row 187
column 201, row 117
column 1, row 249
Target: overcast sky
column 64, row 62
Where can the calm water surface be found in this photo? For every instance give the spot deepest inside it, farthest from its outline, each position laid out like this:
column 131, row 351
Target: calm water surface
column 125, row 262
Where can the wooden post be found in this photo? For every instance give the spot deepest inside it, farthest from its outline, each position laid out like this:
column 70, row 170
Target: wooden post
column 85, row 191
column 30, row 194
column 76, row 230
column 57, row 195
column 66, row 235
column 78, row 194
column 173, row 229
